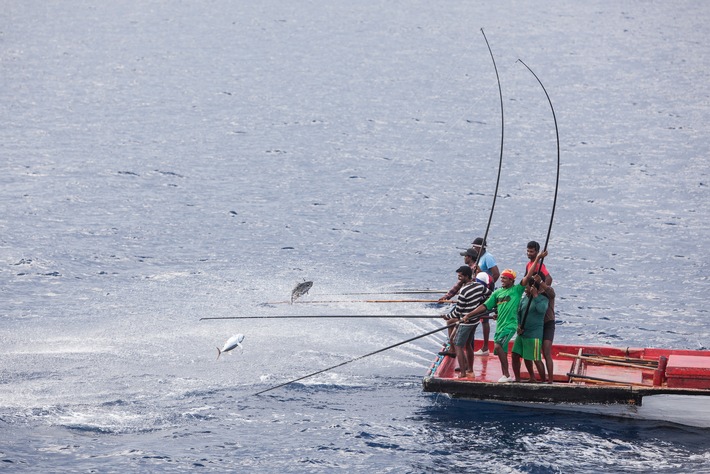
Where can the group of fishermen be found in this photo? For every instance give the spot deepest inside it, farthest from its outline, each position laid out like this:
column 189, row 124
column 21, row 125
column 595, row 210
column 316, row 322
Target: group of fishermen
column 525, row 309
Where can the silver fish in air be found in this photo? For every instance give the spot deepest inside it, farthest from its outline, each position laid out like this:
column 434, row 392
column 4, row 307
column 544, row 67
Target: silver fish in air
column 300, row 290
column 232, row 342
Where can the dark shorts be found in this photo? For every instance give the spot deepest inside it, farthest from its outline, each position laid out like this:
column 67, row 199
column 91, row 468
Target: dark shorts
column 548, row 331
column 463, row 332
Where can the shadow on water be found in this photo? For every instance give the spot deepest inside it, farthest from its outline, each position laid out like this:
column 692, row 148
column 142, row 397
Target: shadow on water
column 512, row 422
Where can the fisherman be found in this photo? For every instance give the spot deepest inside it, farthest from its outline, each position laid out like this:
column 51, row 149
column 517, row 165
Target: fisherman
column 533, row 249
column 548, row 331
column 464, row 275
column 469, row 258
column 528, row 344
column 506, row 301
column 548, row 328
column 471, row 295
column 486, row 263
column 466, row 331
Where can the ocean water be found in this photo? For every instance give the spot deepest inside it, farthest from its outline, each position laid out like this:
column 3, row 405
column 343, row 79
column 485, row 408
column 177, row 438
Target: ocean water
column 166, row 161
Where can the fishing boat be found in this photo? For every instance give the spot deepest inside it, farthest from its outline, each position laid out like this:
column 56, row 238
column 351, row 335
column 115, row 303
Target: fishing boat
column 652, row 384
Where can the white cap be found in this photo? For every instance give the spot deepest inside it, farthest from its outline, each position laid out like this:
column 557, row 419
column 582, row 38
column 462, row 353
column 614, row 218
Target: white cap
column 484, row 278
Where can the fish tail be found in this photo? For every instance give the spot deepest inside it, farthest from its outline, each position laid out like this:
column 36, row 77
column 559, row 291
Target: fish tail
column 219, row 353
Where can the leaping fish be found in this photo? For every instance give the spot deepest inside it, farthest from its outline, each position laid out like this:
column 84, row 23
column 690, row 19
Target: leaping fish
column 300, row 290
column 232, row 342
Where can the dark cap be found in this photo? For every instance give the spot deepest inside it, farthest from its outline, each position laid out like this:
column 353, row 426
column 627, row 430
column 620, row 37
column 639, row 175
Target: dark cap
column 478, row 241
column 465, row 270
column 471, row 253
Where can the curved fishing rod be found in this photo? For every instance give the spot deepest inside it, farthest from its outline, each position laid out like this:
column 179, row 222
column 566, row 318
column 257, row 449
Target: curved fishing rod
column 500, row 160
column 353, row 360
column 557, row 180
column 557, row 136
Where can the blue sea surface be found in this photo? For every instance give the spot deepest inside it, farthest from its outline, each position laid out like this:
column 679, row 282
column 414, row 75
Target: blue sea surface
column 166, row 161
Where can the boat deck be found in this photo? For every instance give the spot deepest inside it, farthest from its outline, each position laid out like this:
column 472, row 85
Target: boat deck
column 658, row 370
column 652, row 384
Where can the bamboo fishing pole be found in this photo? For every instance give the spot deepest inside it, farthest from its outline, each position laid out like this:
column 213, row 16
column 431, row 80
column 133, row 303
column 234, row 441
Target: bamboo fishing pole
column 335, row 316
column 360, row 301
column 599, row 380
column 605, row 361
column 393, row 292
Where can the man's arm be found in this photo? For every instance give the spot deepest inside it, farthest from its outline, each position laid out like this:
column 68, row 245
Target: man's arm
column 545, row 286
column 495, row 273
column 540, row 304
column 452, row 292
column 533, row 268
column 480, row 309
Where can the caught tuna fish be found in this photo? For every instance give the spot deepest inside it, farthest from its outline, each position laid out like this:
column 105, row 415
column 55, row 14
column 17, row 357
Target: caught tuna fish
column 232, row 342
column 300, row 290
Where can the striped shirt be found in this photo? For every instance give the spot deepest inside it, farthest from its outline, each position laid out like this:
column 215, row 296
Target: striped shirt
column 470, row 297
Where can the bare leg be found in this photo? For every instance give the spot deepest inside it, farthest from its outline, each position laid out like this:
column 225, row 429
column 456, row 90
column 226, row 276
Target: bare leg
column 503, row 358
column 463, row 363
column 452, row 333
column 469, row 350
column 469, row 357
column 541, row 369
column 531, row 371
column 516, row 366
column 547, row 353
column 486, row 326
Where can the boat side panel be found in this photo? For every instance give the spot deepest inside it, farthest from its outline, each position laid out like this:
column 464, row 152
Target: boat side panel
column 534, row 392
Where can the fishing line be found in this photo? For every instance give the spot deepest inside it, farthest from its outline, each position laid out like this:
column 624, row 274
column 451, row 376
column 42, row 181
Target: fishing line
column 557, row 180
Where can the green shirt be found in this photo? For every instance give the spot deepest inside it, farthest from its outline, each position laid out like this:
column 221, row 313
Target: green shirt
column 506, row 302
column 536, row 314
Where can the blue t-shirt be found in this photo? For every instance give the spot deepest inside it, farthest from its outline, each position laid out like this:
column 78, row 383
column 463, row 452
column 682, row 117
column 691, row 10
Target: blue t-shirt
column 487, row 262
